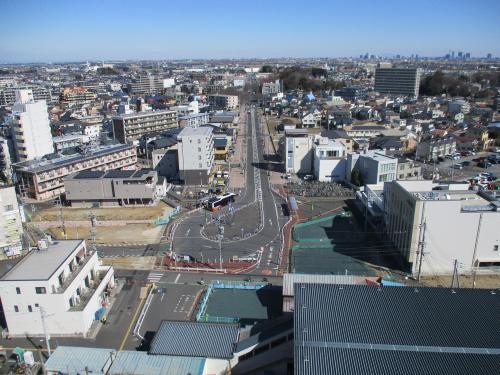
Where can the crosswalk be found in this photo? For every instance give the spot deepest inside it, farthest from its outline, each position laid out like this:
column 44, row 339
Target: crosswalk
column 154, row 277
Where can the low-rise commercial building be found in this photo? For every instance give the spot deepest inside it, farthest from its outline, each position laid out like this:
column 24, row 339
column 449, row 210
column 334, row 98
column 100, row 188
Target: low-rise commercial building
column 43, row 179
column 11, row 226
column 195, row 155
column 371, row 167
column 408, row 170
column 58, row 289
column 433, row 228
column 133, row 126
column 114, row 188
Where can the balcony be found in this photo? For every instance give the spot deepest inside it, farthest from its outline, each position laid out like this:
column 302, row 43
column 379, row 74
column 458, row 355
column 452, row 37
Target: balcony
column 90, row 292
column 76, row 270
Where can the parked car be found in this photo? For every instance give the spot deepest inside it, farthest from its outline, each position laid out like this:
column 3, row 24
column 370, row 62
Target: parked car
column 466, row 163
column 457, row 166
column 308, row 177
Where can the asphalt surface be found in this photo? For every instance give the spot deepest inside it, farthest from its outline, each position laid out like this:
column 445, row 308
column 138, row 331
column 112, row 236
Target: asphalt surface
column 265, row 243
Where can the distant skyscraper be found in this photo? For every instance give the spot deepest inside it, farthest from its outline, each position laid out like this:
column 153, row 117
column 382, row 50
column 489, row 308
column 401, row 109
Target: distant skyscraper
column 397, row 81
column 460, row 54
column 452, row 54
column 31, row 132
column 467, row 55
column 488, row 56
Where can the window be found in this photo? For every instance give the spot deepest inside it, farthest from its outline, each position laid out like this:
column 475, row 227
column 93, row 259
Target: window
column 18, row 290
column 36, row 305
column 30, row 309
column 495, row 247
column 8, row 207
column 16, row 308
column 40, row 290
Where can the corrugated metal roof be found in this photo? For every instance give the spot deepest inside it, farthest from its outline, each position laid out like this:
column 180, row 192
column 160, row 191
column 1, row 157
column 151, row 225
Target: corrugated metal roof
column 317, row 360
column 289, row 279
column 141, row 363
column 192, row 339
column 73, row 360
column 382, row 326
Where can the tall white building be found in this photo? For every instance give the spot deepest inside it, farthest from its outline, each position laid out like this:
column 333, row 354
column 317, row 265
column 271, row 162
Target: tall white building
column 61, row 281
column 195, row 154
column 297, row 149
column 30, row 127
column 11, row 226
column 329, row 159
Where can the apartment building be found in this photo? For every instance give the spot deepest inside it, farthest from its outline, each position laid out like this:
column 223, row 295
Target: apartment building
column 148, row 85
column 272, row 88
column 43, row 179
column 131, row 127
column 65, row 142
column 297, row 151
column 329, row 160
column 72, row 96
column 114, row 188
column 374, row 167
column 459, row 106
column 58, row 289
column 408, row 170
column 433, row 228
column 194, row 120
column 11, row 226
column 224, row 102
column 195, row 155
column 436, row 148
column 31, row 132
column 397, row 81
column 8, row 94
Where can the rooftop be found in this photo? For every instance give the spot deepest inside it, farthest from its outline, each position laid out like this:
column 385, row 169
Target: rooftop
column 192, row 339
column 41, row 264
column 144, row 114
column 200, row 131
column 42, row 165
column 395, row 330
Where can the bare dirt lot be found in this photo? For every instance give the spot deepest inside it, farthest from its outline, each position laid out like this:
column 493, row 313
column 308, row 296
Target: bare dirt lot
column 117, row 234
column 112, row 213
column 490, row 281
column 134, row 263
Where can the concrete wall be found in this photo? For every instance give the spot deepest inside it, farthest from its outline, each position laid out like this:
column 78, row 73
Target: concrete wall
column 328, row 170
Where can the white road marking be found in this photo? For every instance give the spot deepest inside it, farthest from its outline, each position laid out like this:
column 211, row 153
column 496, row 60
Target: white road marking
column 155, row 277
column 177, row 278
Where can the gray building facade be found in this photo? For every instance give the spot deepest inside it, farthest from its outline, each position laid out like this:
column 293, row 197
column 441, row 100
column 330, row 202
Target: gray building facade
column 133, row 126
column 397, row 81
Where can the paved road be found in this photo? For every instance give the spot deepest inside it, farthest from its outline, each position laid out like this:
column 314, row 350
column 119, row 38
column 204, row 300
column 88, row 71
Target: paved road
column 189, row 241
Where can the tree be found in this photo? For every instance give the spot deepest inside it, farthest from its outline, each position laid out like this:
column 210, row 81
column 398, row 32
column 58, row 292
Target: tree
column 357, row 177
column 266, row 69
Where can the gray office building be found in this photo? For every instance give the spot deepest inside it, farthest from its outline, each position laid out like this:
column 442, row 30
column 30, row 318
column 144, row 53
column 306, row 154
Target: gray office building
column 397, row 81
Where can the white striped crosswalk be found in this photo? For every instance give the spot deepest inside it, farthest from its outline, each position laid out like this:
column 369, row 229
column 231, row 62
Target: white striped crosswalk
column 155, row 277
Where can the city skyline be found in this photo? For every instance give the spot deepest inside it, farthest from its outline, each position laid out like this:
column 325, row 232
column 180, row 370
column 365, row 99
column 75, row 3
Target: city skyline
column 91, row 30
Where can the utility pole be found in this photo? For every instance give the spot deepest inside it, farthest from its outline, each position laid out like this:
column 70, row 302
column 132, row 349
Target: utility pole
column 475, row 251
column 47, row 336
column 93, row 229
column 455, row 275
column 63, row 224
column 421, row 251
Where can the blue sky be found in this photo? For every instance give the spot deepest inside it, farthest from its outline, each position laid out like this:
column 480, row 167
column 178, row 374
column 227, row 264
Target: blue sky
column 76, row 30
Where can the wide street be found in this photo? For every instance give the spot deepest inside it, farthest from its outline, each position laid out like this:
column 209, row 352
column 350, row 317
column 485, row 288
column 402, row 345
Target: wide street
column 257, row 200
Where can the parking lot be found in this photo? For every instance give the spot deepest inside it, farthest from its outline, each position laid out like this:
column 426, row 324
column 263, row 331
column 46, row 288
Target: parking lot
column 447, row 172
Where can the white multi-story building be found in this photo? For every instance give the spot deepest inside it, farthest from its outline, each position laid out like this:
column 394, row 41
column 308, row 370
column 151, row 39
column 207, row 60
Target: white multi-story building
column 194, row 120
column 271, row 88
column 225, row 102
column 433, row 228
column 329, row 160
column 11, row 226
column 31, row 132
column 60, row 285
column 195, row 155
column 459, row 106
column 297, row 151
